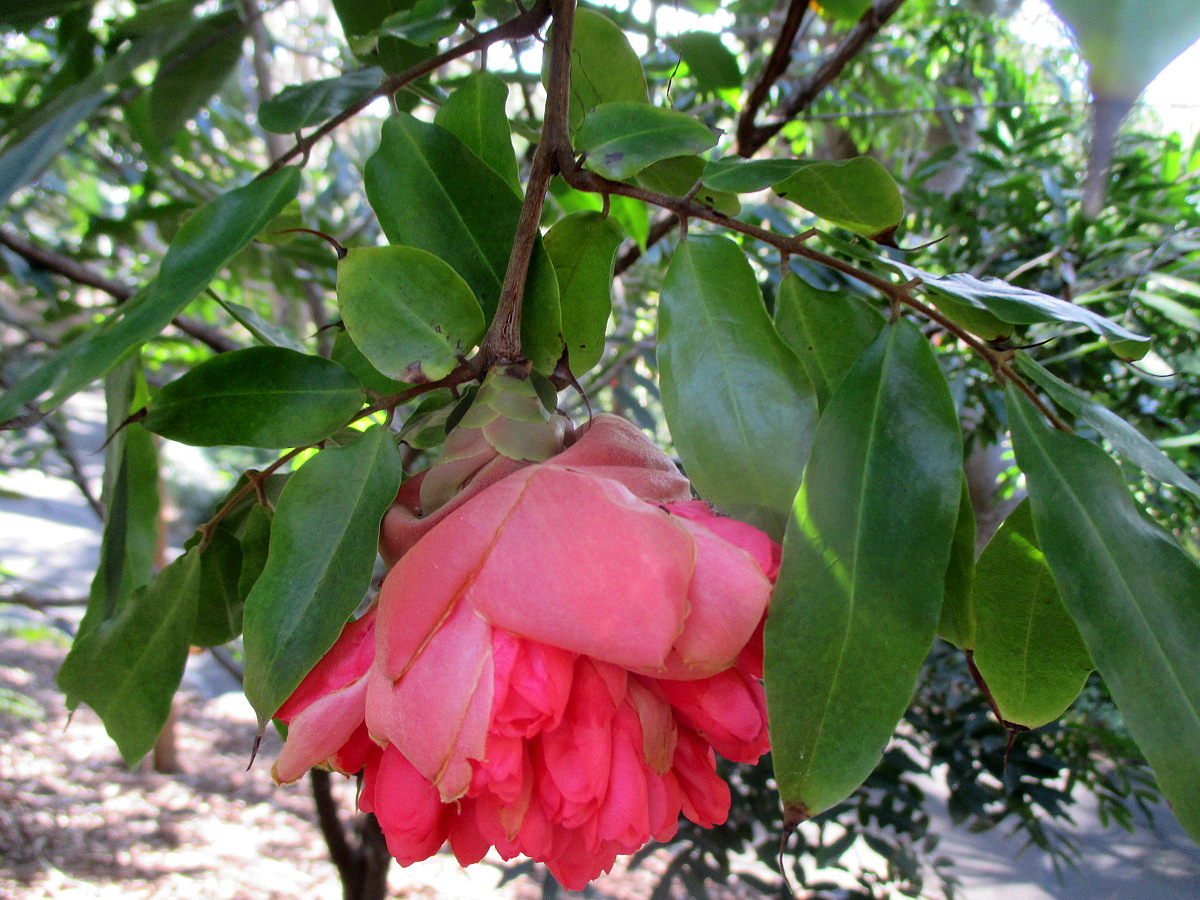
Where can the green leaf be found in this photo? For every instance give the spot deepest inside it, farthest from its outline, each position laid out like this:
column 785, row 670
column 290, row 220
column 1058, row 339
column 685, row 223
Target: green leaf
column 844, row 10
column 604, row 67
column 427, row 22
column 858, row 194
column 319, row 565
column 29, row 13
column 746, row 176
column 129, row 544
column 621, row 139
column 194, row 72
column 128, row 668
column 219, row 606
column 259, row 397
column 430, row 191
column 740, row 408
column 1027, row 648
column 678, row 175
column 710, row 62
column 1131, row 591
column 409, row 313
column 828, row 330
column 1125, row 439
column 206, row 242
column 475, row 114
column 864, row 563
column 360, row 17
column 1020, row 306
column 267, row 333
column 306, row 105
column 958, row 618
column 255, row 540
column 350, row 358
column 583, row 247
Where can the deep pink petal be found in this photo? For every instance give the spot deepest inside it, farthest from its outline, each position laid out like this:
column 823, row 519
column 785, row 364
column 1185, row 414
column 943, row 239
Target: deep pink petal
column 657, row 722
column 414, row 820
column 346, row 661
column 582, row 564
column 729, row 710
column 705, row 796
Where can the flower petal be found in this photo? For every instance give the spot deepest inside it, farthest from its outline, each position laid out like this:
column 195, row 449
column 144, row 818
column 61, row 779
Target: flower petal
column 614, row 448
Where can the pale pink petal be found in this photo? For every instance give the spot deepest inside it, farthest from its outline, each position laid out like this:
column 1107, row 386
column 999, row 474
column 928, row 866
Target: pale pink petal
column 728, row 595
column 437, row 712
column 765, row 551
column 614, row 448
column 582, row 564
column 317, row 733
column 658, row 724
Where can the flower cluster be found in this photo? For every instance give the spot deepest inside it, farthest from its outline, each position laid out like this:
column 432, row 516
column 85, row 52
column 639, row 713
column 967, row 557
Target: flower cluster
column 561, row 643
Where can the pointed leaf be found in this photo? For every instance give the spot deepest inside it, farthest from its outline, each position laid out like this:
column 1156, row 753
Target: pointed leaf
column 129, row 544
column 206, row 242
column 128, row 668
column 475, row 114
column 958, row 618
column 430, row 191
column 621, row 139
column 583, row 247
column 1131, row 591
column 319, row 565
column 858, row 194
column 219, row 606
column 710, row 62
column 194, row 72
column 746, row 176
column 259, row 397
column 1020, row 306
column 740, row 408
column 1027, row 647
column 411, row 314
column 347, row 355
column 828, row 330
column 864, row 562
column 1125, row 439
column 307, row 105
column 604, row 67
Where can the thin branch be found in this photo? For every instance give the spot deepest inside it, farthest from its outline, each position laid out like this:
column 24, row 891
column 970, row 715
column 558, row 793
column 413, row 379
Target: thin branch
column 524, row 25
column 81, row 274
column 343, row 856
column 777, row 64
column 502, row 343
column 62, row 442
column 755, row 136
column 261, row 58
column 898, row 294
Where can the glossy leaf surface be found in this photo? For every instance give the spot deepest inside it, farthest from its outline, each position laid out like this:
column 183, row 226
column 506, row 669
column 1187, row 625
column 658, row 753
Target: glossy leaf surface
column 958, row 621
column 732, row 390
column 128, row 668
column 1131, row 591
column 1020, row 306
column 864, row 562
column 319, row 564
column 583, row 247
column 746, row 176
column 307, row 105
column 858, row 194
column 1027, row 647
column 259, row 397
column 475, row 114
column 621, row 139
column 710, row 62
column 604, row 67
column 1125, row 439
column 409, row 313
column 430, row 191
column 828, row 330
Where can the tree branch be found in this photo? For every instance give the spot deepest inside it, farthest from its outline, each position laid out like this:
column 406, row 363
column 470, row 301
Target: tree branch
column 81, row 274
column 810, row 88
column 502, row 343
column 524, row 25
column 780, row 59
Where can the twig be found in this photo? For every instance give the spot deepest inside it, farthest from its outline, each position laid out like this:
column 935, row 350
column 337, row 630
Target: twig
column 810, row 88
column 330, row 823
column 502, row 343
column 524, row 25
column 81, row 274
column 780, row 59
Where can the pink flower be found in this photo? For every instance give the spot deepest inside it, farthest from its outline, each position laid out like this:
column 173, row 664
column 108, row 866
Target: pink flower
column 555, row 655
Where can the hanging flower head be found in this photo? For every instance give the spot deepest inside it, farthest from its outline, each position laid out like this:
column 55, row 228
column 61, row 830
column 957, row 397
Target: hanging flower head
column 562, row 642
